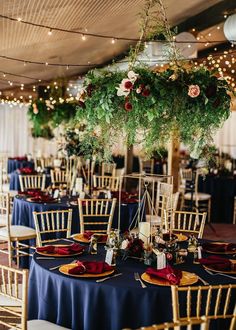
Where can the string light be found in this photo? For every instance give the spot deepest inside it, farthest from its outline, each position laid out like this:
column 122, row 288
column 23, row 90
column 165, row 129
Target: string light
column 83, row 37
column 50, row 32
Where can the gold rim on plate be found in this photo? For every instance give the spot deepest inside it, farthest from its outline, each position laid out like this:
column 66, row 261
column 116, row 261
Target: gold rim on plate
column 65, row 270
column 181, row 237
column 220, row 252
column 187, row 279
column 80, row 238
column 56, row 255
column 222, row 271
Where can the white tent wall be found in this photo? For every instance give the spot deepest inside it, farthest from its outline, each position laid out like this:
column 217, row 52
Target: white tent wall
column 15, row 136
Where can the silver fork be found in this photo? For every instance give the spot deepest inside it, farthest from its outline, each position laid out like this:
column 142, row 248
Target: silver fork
column 215, row 274
column 137, row 278
column 203, row 281
column 53, row 268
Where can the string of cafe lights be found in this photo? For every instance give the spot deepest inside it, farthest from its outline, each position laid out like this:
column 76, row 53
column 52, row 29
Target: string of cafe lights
column 113, row 39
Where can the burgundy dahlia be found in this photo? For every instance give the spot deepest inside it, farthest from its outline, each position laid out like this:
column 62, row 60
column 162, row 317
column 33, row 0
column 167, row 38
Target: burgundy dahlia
column 128, row 106
column 146, row 92
column 211, row 91
column 128, row 85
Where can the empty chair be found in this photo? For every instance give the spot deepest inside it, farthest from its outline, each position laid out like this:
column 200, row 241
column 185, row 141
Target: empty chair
column 185, row 222
column 214, row 301
column 108, row 169
column 59, row 177
column 13, row 302
column 107, row 182
column 32, row 182
column 96, row 214
column 52, row 225
column 12, row 234
column 201, row 201
column 146, row 166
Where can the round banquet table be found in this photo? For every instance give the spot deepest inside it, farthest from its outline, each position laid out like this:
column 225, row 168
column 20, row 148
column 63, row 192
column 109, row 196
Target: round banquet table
column 15, row 182
column 120, row 302
column 14, row 164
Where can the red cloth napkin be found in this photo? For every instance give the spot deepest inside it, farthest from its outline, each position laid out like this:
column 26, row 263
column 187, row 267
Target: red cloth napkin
column 223, row 247
column 125, row 196
column 172, row 275
column 100, row 237
column 26, row 170
column 90, row 267
column 31, row 192
column 63, row 250
column 19, row 158
column 42, row 198
column 217, row 263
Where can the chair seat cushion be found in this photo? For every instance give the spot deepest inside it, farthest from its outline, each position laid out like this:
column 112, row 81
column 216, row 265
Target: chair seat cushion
column 18, row 232
column 45, row 325
column 200, row 196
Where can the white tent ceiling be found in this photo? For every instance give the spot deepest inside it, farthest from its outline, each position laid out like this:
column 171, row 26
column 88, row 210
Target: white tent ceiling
column 108, row 17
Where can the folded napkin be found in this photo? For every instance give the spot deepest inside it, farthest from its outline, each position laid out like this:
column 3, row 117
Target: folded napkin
column 170, row 274
column 42, row 198
column 217, row 263
column 26, row 170
column 62, row 250
column 90, row 267
column 100, row 237
column 222, row 247
column 31, row 192
column 125, row 196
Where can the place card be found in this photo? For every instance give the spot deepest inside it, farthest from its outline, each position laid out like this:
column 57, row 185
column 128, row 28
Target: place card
column 56, row 193
column 109, row 257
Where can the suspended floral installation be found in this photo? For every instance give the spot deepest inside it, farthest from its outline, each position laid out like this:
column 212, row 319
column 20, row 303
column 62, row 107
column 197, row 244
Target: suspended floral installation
column 150, row 107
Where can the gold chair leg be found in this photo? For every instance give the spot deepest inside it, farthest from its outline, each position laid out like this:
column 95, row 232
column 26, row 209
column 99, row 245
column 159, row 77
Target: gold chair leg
column 17, row 254
column 9, row 253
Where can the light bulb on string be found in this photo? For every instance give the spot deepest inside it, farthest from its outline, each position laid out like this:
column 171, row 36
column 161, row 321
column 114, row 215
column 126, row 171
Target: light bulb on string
column 67, row 67
column 50, row 32
column 19, row 19
column 83, row 37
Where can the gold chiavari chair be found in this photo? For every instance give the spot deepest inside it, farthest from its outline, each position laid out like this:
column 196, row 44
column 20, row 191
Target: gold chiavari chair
column 112, row 183
column 12, row 234
column 108, row 169
column 162, row 198
column 202, row 323
column 59, row 177
column 32, row 182
column 213, row 301
column 185, row 222
column 146, row 166
column 96, row 213
column 14, row 302
column 52, row 225
column 201, row 200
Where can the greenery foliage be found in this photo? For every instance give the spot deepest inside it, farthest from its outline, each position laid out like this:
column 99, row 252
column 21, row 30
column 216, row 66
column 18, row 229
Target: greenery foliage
column 156, row 106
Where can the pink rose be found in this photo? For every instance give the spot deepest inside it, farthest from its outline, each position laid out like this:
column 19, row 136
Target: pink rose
column 193, row 90
column 128, row 106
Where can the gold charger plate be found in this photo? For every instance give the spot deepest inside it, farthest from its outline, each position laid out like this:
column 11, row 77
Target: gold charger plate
column 56, row 255
column 65, row 270
column 187, row 279
column 222, row 271
column 181, row 237
column 223, row 252
column 80, row 238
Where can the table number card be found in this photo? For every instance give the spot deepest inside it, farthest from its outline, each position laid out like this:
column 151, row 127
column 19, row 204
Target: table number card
column 56, row 193
column 109, row 257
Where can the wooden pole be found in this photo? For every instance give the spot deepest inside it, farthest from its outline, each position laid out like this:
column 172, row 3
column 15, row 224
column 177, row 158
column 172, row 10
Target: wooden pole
column 173, row 161
column 129, row 159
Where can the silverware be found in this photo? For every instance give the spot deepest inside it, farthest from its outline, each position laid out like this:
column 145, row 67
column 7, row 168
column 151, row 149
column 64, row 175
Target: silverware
column 138, row 278
column 221, row 274
column 203, row 281
column 108, row 277
column 68, row 240
column 45, row 258
column 56, row 267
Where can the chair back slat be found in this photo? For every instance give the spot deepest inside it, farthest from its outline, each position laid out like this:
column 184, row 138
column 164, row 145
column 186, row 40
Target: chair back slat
column 50, row 225
column 107, row 182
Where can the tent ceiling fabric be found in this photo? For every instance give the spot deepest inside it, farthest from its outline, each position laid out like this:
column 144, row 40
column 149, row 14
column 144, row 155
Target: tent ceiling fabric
column 108, row 17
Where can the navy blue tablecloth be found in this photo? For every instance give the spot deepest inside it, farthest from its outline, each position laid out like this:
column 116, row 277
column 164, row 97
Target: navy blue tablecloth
column 14, row 164
column 83, row 304
column 15, row 182
column 222, row 190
